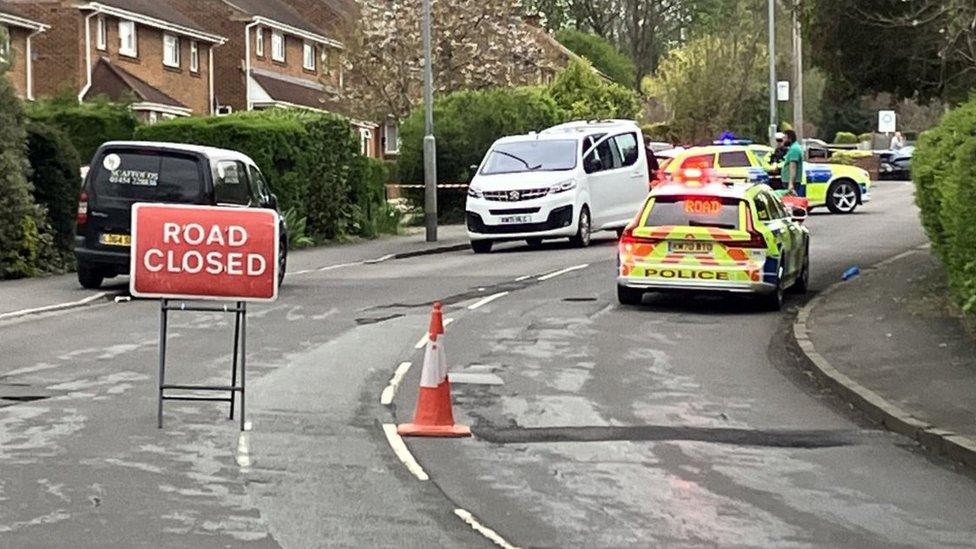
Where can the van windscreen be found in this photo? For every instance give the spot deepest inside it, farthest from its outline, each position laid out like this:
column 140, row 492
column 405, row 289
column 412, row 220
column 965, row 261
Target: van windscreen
column 155, row 176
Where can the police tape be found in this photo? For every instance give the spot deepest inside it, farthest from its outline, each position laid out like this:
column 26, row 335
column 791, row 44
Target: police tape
column 440, row 186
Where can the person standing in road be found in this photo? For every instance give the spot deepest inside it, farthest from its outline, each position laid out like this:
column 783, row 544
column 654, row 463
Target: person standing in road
column 792, row 173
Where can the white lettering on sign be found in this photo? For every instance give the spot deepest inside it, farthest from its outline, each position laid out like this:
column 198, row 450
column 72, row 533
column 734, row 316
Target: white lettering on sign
column 136, row 178
column 194, row 262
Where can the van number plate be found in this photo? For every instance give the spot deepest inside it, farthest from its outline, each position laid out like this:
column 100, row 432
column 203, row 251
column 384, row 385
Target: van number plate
column 690, row 247
column 516, row 219
column 107, row 239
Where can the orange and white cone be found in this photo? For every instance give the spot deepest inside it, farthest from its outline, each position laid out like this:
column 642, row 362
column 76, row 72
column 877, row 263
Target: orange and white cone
column 434, row 416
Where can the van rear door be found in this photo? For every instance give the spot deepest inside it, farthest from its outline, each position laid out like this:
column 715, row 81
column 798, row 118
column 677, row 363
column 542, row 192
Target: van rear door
column 121, row 177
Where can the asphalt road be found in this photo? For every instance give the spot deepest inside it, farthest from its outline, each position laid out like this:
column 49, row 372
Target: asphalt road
column 680, row 422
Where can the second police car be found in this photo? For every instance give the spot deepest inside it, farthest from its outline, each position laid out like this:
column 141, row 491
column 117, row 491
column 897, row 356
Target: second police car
column 697, row 232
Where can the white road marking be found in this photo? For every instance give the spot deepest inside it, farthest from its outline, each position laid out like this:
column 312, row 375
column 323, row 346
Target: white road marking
column 386, row 257
column 243, row 450
column 521, row 278
column 423, row 341
column 49, row 308
column 490, row 534
column 401, row 451
column 339, row 266
column 484, row 301
column 390, row 391
column 306, row 271
column 563, row 271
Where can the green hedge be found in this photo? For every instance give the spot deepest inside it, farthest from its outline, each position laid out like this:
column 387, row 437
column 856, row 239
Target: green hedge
column 845, row 138
column 56, row 178
column 466, row 123
column 88, row 124
column 608, row 59
column 311, row 161
column 944, row 171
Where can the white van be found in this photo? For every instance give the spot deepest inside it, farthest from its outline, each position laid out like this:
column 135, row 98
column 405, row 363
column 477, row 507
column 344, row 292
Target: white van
column 567, row 181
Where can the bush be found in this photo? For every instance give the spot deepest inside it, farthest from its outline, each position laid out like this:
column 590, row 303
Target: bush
column 944, row 171
column 583, row 94
column 87, row 125
column 311, row 161
column 56, row 178
column 867, row 136
column 604, row 56
column 466, row 123
column 845, row 138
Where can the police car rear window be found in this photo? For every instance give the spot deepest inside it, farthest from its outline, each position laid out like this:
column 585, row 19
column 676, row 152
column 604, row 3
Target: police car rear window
column 156, row 176
column 694, row 211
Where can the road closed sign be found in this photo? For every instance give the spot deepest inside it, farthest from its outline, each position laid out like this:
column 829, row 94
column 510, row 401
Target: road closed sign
column 204, row 252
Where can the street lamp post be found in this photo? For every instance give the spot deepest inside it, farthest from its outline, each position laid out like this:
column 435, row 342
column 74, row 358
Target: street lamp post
column 773, row 118
column 430, row 144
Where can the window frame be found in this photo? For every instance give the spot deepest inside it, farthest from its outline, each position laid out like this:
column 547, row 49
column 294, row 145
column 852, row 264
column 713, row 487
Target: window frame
column 169, row 38
column 242, row 172
column 279, row 38
column 5, row 46
column 124, row 48
column 745, row 155
column 259, row 41
column 194, row 56
column 308, row 52
column 101, row 33
column 637, row 146
column 386, row 137
column 365, row 141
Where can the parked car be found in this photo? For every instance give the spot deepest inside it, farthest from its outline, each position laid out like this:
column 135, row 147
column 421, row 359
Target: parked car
column 565, row 182
column 897, row 164
column 125, row 172
column 816, row 149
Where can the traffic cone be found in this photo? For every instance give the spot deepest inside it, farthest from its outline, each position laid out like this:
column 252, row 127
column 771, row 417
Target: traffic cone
column 433, row 416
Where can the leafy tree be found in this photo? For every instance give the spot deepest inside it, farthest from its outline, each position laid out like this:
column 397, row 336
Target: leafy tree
column 476, row 44
column 20, row 239
column 585, row 95
column 604, row 56
column 711, row 85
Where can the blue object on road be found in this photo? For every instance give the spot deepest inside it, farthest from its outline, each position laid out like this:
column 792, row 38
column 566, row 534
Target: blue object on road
column 851, row 273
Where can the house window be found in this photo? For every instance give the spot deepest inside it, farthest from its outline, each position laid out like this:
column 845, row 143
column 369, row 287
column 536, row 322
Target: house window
column 308, row 60
column 259, row 42
column 5, row 45
column 101, row 33
column 365, row 142
column 128, row 40
column 194, row 57
column 171, row 50
column 277, row 46
column 391, row 135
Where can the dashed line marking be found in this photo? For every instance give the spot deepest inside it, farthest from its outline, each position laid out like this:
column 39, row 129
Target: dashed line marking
column 521, row 278
column 386, row 398
column 49, row 308
column 562, row 272
column 423, row 341
column 402, row 453
column 488, row 533
column 486, row 300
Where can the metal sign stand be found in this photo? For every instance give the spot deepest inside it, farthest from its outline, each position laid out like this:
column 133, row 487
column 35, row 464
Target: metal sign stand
column 240, row 346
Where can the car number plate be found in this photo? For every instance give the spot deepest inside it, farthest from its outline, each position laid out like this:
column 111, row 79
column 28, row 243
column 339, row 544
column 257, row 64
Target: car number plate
column 690, row 247
column 108, row 239
column 516, row 219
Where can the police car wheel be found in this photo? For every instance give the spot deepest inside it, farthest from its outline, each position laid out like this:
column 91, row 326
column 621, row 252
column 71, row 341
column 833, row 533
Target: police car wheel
column 842, row 197
column 629, row 296
column 481, row 246
column 582, row 237
column 773, row 301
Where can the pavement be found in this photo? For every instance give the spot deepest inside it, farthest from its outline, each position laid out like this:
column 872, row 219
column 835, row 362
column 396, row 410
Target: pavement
column 891, row 332
column 682, row 422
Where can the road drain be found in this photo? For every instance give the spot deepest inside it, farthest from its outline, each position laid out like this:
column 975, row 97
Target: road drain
column 717, row 435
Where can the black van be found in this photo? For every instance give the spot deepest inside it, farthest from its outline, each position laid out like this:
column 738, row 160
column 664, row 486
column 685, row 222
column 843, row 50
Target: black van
column 123, row 173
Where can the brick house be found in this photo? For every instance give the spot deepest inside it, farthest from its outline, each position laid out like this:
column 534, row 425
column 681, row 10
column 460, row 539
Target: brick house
column 141, row 51
column 17, row 48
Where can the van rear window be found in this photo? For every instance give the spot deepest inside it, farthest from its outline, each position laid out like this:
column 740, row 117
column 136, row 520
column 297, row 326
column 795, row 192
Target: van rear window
column 694, row 211
column 149, row 176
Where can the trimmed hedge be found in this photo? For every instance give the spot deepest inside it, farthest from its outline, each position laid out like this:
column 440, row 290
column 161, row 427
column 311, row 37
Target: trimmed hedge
column 845, row 138
column 311, row 161
column 944, row 171
column 87, row 125
column 56, row 178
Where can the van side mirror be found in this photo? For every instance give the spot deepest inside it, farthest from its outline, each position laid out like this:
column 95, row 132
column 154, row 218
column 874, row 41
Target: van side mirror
column 273, row 201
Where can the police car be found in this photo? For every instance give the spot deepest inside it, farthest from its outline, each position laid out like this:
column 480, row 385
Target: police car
column 841, row 189
column 702, row 233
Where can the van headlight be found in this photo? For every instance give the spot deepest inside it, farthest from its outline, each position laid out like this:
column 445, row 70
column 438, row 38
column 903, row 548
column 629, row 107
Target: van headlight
column 563, row 186
column 475, row 193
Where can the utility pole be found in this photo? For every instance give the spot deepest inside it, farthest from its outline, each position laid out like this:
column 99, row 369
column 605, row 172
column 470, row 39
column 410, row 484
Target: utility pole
column 430, row 144
column 773, row 118
column 797, row 70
